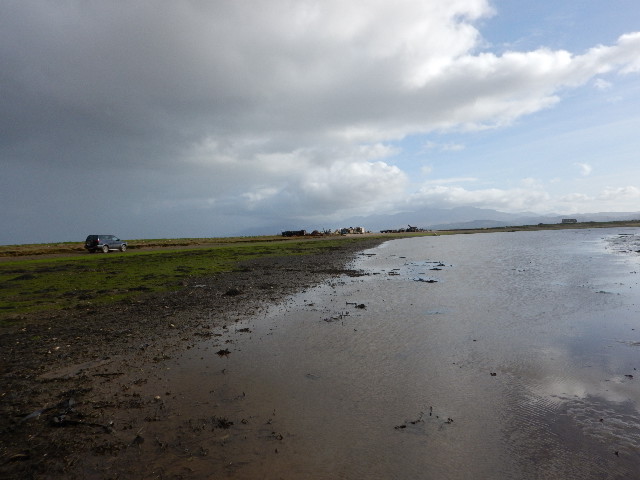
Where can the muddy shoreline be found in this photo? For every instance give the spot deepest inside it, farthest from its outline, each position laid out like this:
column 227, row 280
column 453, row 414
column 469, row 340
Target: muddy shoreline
column 75, row 384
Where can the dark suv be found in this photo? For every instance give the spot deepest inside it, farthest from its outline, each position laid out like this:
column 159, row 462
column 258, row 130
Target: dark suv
column 104, row 243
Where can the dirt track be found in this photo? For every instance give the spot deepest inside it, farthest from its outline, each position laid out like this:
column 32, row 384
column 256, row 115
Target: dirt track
column 73, row 383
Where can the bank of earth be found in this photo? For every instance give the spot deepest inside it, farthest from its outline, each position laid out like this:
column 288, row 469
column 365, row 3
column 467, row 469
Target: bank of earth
column 59, row 416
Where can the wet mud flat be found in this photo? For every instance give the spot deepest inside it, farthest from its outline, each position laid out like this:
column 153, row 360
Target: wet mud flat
column 91, row 393
column 503, row 356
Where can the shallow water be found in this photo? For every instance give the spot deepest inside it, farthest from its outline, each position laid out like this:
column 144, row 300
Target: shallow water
column 501, row 356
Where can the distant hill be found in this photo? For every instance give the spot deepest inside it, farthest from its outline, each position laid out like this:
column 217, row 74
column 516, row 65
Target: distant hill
column 436, row 219
column 534, row 220
column 470, row 217
column 428, row 218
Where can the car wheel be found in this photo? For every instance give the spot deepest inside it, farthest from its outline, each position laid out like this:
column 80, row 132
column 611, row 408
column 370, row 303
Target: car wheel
column 123, row 248
column 105, row 249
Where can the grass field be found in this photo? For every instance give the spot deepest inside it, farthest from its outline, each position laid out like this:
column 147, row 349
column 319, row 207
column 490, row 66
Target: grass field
column 32, row 285
column 78, row 247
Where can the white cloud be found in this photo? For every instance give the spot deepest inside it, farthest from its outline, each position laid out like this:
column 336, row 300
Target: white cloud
column 452, row 147
column 602, row 84
column 530, row 183
column 294, row 74
column 585, row 169
column 443, row 147
column 375, row 151
column 445, row 181
column 351, row 187
column 259, row 195
column 531, row 197
column 612, row 199
column 620, row 193
column 507, row 200
column 426, row 169
column 575, row 198
column 628, row 52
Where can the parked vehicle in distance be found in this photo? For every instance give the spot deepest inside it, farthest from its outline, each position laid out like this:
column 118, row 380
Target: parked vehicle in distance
column 104, row 243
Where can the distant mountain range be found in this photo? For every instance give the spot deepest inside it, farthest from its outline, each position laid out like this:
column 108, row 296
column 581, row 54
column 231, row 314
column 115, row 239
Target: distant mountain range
column 470, row 217
column 439, row 219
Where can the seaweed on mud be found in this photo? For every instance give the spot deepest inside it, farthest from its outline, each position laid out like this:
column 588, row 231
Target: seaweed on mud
column 233, row 291
column 222, row 422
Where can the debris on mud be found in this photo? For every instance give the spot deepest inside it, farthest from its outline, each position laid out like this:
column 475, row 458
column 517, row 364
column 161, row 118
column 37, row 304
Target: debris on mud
column 222, row 423
column 233, row 291
column 420, row 420
column 361, row 306
column 411, row 422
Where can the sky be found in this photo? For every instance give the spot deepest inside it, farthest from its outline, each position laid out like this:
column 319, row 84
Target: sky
column 193, row 118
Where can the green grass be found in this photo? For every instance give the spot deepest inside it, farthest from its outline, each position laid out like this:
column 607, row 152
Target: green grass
column 82, row 281
column 78, row 247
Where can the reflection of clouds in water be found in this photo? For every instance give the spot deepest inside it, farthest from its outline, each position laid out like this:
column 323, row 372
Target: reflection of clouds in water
column 572, row 438
column 563, row 389
column 570, row 426
column 608, row 380
column 591, row 399
column 528, row 307
column 558, row 389
column 615, row 424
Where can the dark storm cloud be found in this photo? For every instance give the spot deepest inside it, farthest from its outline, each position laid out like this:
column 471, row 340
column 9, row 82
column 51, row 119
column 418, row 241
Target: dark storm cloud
column 233, row 109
